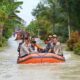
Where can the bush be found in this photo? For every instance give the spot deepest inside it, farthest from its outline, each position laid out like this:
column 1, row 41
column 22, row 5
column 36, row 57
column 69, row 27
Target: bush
column 3, row 42
column 75, row 37
column 0, row 44
column 77, row 48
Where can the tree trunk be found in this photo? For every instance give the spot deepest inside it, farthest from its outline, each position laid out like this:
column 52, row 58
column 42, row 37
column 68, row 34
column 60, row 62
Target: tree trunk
column 69, row 30
column 1, row 30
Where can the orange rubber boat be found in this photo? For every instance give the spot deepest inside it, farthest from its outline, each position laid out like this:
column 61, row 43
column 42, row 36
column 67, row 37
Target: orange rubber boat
column 40, row 58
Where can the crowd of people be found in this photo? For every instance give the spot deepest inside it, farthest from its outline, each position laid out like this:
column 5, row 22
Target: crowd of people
column 28, row 45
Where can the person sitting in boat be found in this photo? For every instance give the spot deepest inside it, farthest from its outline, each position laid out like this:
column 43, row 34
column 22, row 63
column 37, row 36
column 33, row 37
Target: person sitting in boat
column 49, row 44
column 20, row 39
column 36, row 47
column 56, row 48
column 33, row 38
column 33, row 47
column 48, row 40
column 19, row 36
column 49, row 37
column 25, row 47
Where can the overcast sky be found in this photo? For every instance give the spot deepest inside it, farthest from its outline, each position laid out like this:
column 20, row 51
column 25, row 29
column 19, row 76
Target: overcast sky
column 26, row 10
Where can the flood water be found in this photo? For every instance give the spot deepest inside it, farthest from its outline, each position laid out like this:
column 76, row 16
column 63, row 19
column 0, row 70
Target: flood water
column 10, row 70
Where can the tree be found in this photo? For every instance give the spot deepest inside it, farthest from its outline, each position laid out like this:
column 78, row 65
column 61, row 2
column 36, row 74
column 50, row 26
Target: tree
column 8, row 18
column 71, row 7
column 49, row 14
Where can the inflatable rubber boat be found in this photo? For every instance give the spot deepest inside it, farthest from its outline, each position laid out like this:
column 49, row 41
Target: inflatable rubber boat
column 40, row 58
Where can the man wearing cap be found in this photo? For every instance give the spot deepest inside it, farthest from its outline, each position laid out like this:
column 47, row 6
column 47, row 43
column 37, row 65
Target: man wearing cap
column 49, row 44
column 56, row 48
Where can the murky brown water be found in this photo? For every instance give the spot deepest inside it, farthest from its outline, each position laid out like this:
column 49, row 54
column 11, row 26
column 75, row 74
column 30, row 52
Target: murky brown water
column 10, row 70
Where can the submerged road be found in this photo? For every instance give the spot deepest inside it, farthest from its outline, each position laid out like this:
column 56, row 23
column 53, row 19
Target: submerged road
column 10, row 70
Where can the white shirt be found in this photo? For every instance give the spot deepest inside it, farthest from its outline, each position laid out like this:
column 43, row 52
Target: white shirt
column 57, row 48
column 25, row 49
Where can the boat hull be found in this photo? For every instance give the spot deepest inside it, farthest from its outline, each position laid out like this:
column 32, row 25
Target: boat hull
column 40, row 58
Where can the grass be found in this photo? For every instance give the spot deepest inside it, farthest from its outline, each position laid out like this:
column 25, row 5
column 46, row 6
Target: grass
column 3, row 47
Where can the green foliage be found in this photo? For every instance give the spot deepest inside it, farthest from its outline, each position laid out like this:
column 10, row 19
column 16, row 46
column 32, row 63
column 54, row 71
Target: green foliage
column 33, row 28
column 71, row 7
column 49, row 13
column 3, row 42
column 8, row 18
column 61, row 31
column 52, row 19
column 73, row 40
column 77, row 48
column 7, row 32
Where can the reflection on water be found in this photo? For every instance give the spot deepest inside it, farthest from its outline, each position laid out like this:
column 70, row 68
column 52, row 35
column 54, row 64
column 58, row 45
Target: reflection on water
column 10, row 70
